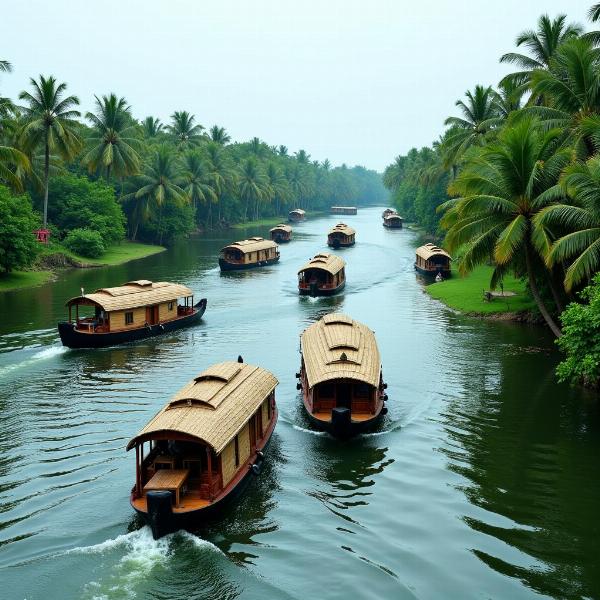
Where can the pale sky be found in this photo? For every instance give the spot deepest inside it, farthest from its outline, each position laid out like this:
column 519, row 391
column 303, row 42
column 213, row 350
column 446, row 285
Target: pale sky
column 355, row 81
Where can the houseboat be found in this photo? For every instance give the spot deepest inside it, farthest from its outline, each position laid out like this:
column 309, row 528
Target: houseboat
column 203, row 446
column 386, row 212
column 343, row 210
column 341, row 236
column 281, row 233
column 296, row 215
column 322, row 275
column 340, row 376
column 393, row 221
column 431, row 260
column 248, row 254
column 133, row 311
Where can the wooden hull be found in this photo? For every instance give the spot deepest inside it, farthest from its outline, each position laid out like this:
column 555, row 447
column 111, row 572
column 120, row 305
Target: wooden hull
column 337, row 244
column 433, row 272
column 393, row 225
column 321, row 292
column 72, row 338
column 227, row 266
column 190, row 520
column 280, row 239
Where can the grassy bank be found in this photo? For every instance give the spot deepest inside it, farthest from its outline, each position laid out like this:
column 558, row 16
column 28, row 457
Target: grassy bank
column 271, row 221
column 115, row 255
column 465, row 294
column 23, row 279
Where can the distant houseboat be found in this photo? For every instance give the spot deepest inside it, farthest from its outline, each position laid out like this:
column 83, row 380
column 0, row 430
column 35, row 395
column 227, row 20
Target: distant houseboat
column 340, row 376
column 393, row 221
column 296, row 215
column 343, row 210
column 248, row 254
column 387, row 211
column 201, row 448
column 323, row 275
column 431, row 260
column 341, row 236
column 133, row 311
column 281, row 233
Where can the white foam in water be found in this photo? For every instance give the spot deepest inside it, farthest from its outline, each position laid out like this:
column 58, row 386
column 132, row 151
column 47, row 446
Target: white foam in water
column 298, row 428
column 44, row 354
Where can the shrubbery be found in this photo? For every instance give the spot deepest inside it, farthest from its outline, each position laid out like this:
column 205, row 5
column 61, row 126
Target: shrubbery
column 18, row 246
column 86, row 242
column 581, row 338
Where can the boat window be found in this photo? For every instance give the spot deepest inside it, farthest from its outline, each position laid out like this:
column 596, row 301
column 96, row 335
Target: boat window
column 170, row 305
column 128, row 318
column 236, row 446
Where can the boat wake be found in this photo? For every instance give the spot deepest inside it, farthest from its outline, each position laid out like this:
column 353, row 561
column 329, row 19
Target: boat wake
column 41, row 355
column 311, row 431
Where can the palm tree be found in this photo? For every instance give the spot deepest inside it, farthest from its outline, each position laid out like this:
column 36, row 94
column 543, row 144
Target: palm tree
column 49, row 122
column 298, row 182
column 222, row 175
column 157, row 186
column 580, row 247
column 302, row 157
column 508, row 97
column 152, row 127
column 501, row 192
column 277, row 185
column 252, row 184
column 196, row 180
column 12, row 163
column 112, row 145
column 326, row 165
column 394, row 173
column 6, row 105
column 184, row 131
column 282, row 150
column 542, row 45
column 219, row 135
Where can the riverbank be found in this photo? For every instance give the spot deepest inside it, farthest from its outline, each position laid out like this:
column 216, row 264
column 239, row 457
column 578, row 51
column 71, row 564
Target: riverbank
column 466, row 295
column 272, row 221
column 55, row 257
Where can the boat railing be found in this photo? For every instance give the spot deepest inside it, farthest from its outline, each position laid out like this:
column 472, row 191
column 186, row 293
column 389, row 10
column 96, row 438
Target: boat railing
column 91, row 325
column 184, row 310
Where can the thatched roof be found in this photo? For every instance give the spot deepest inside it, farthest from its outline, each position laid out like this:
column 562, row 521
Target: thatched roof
column 214, row 406
column 297, row 211
column 327, row 262
column 392, row 217
column 342, row 228
column 133, row 294
column 429, row 250
column 281, row 227
column 251, row 245
column 338, row 347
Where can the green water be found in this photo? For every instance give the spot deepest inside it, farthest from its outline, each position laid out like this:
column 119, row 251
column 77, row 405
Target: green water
column 482, row 482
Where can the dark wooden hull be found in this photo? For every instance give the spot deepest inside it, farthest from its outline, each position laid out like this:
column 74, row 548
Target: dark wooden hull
column 393, row 226
column 433, row 272
column 227, row 266
column 320, row 292
column 280, row 240
column 192, row 519
column 338, row 244
column 72, row 338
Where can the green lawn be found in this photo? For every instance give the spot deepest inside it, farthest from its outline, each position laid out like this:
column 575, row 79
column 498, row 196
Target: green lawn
column 122, row 253
column 465, row 294
column 260, row 223
column 23, row 279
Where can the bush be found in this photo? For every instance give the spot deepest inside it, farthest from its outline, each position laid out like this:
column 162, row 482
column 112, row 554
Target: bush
column 581, row 338
column 85, row 242
column 18, row 246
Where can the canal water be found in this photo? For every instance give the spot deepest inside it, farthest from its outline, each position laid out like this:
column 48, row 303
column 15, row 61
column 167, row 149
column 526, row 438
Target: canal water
column 481, row 483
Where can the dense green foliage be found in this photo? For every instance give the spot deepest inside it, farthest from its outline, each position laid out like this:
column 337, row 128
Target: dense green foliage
column 86, row 242
column 17, row 221
column 581, row 338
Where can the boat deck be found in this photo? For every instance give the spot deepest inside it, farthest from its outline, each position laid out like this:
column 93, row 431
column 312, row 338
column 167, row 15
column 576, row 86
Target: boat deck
column 325, row 415
column 187, row 503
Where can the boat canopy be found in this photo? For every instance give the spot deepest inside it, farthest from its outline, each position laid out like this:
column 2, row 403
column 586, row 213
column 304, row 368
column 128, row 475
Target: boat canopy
column 338, row 347
column 282, row 227
column 133, row 294
column 326, row 262
column 429, row 250
column 342, row 228
column 392, row 217
column 250, row 245
column 214, row 406
column 297, row 211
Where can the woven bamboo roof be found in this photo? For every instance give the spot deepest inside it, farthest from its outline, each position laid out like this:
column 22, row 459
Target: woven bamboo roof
column 342, row 228
column 392, row 217
column 251, row 245
column 429, row 250
column 282, row 227
column 298, row 211
column 133, row 294
column 214, row 406
column 327, row 262
column 338, row 347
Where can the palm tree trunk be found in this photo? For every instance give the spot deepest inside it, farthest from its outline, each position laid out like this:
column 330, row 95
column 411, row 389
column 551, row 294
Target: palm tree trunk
column 46, row 178
column 536, row 294
column 108, row 174
column 552, row 282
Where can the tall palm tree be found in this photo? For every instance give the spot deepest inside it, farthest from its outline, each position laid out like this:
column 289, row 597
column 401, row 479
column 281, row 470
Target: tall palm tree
column 326, row 165
column 302, row 157
column 251, row 184
column 219, row 135
column 580, row 246
column 508, row 98
column 196, row 180
column 222, row 174
column 257, row 147
column 112, row 145
column 394, row 173
column 182, row 128
column 50, row 123
column 282, row 150
column 277, row 185
column 298, row 182
column 6, row 105
column 542, row 45
column 500, row 194
column 12, row 163
column 152, row 127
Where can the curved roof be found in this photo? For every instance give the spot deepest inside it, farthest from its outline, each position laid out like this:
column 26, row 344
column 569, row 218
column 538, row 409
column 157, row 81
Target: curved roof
column 251, row 245
column 392, row 216
column 282, row 227
column 342, row 228
column 338, row 347
column 327, row 262
column 429, row 250
column 214, row 406
column 298, row 211
column 133, row 294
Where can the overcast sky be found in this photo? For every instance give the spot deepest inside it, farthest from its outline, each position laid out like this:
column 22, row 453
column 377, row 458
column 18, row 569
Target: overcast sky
column 355, row 81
